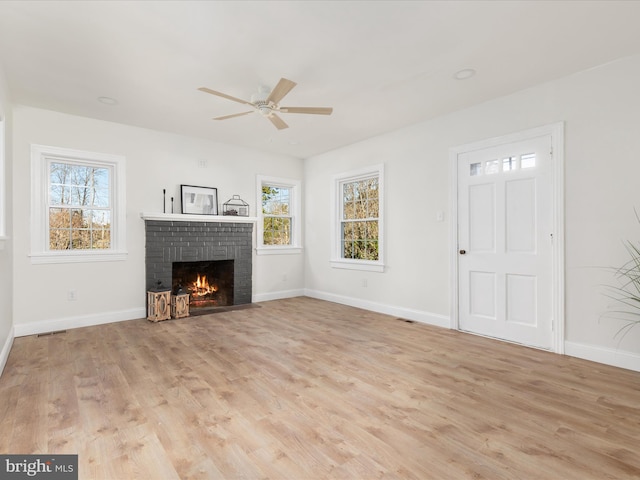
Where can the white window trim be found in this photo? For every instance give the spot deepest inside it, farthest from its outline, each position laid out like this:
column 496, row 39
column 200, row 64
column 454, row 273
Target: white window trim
column 296, row 217
column 336, row 260
column 3, row 184
column 40, row 253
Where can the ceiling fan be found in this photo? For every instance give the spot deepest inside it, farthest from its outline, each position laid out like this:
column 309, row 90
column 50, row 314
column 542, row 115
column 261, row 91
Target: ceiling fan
column 267, row 103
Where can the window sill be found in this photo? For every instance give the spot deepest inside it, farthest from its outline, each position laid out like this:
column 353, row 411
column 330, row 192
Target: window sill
column 65, row 257
column 278, row 250
column 364, row 265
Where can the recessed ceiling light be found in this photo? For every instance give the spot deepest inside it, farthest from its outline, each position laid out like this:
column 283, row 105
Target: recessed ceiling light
column 108, row 100
column 464, row 74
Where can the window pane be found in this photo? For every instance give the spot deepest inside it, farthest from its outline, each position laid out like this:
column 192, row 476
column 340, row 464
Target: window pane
column 277, row 230
column 475, row 169
column 528, row 160
column 348, row 250
column 59, row 239
column 59, row 194
column 372, row 208
column 79, row 229
column 372, row 250
column 98, row 219
column 491, row 167
column 347, row 192
column 359, row 230
column 349, row 211
column 360, row 240
column 347, row 231
column 360, row 199
column 101, row 238
column 372, row 230
column 509, row 163
column 276, row 200
column 80, row 185
column 100, row 197
column 80, row 239
column 59, row 218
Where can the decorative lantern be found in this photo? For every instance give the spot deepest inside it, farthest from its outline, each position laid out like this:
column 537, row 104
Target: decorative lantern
column 236, row 206
column 180, row 305
column 179, row 302
column 159, row 303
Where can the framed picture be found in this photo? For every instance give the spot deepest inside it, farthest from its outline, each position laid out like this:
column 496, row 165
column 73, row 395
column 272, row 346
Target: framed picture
column 199, row 200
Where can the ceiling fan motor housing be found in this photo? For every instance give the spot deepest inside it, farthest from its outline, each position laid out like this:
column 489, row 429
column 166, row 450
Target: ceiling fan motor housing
column 263, row 107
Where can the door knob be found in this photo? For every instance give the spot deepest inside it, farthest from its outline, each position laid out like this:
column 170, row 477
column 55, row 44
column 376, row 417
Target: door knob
column 462, row 252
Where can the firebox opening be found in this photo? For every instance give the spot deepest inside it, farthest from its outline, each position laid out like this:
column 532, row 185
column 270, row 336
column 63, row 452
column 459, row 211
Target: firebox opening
column 209, row 284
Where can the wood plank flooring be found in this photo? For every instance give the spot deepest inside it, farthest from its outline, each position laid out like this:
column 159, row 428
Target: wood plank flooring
column 305, row 389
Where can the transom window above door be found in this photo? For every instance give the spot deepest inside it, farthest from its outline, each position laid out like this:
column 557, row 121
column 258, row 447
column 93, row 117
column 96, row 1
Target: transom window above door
column 506, row 164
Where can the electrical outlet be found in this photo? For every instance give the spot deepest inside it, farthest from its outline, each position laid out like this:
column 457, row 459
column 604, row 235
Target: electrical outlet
column 364, row 282
column 284, row 277
column 72, row 295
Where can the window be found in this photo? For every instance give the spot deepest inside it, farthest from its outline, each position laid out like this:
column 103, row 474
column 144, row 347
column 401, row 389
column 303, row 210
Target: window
column 359, row 220
column 279, row 219
column 77, row 206
column 490, row 167
column 80, row 207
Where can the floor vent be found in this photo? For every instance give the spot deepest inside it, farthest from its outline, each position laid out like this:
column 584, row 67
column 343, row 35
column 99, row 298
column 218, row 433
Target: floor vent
column 51, row 333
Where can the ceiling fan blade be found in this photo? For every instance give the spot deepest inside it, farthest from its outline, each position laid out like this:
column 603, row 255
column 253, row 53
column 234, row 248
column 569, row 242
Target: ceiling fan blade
column 277, row 121
column 312, row 110
column 223, row 95
column 224, row 117
column 283, row 87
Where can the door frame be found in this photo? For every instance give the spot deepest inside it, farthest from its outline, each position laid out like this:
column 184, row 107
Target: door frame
column 556, row 130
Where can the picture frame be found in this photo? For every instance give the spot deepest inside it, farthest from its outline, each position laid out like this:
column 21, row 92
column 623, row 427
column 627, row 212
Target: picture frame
column 199, row 200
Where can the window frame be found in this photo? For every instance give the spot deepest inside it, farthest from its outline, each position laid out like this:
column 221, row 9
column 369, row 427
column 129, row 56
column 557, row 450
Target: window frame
column 295, row 209
column 41, row 158
column 337, row 261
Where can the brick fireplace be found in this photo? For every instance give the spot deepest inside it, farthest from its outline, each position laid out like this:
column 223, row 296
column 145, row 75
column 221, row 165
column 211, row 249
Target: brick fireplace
column 171, row 241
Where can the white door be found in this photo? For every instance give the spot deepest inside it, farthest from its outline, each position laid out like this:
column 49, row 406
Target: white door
column 505, row 242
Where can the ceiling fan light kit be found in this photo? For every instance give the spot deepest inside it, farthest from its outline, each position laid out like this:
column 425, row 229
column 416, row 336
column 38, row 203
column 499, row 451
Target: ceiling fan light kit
column 267, row 104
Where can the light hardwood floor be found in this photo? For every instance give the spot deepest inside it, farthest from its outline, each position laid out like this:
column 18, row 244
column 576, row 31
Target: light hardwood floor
column 306, row 389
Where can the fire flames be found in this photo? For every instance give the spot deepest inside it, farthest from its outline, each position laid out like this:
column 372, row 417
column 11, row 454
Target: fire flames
column 201, row 287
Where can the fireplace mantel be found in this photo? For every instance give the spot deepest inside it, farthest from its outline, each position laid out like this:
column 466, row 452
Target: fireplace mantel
column 185, row 217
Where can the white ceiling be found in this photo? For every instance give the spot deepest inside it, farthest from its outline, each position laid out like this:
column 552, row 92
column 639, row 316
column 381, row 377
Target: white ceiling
column 382, row 65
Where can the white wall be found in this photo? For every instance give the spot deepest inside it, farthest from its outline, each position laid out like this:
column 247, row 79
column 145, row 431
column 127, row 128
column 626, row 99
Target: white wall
column 6, row 321
column 600, row 108
column 108, row 291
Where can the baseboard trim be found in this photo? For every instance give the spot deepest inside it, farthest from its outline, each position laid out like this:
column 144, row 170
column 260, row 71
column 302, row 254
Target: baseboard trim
column 406, row 313
column 265, row 297
column 608, row 356
column 6, row 348
column 45, row 326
